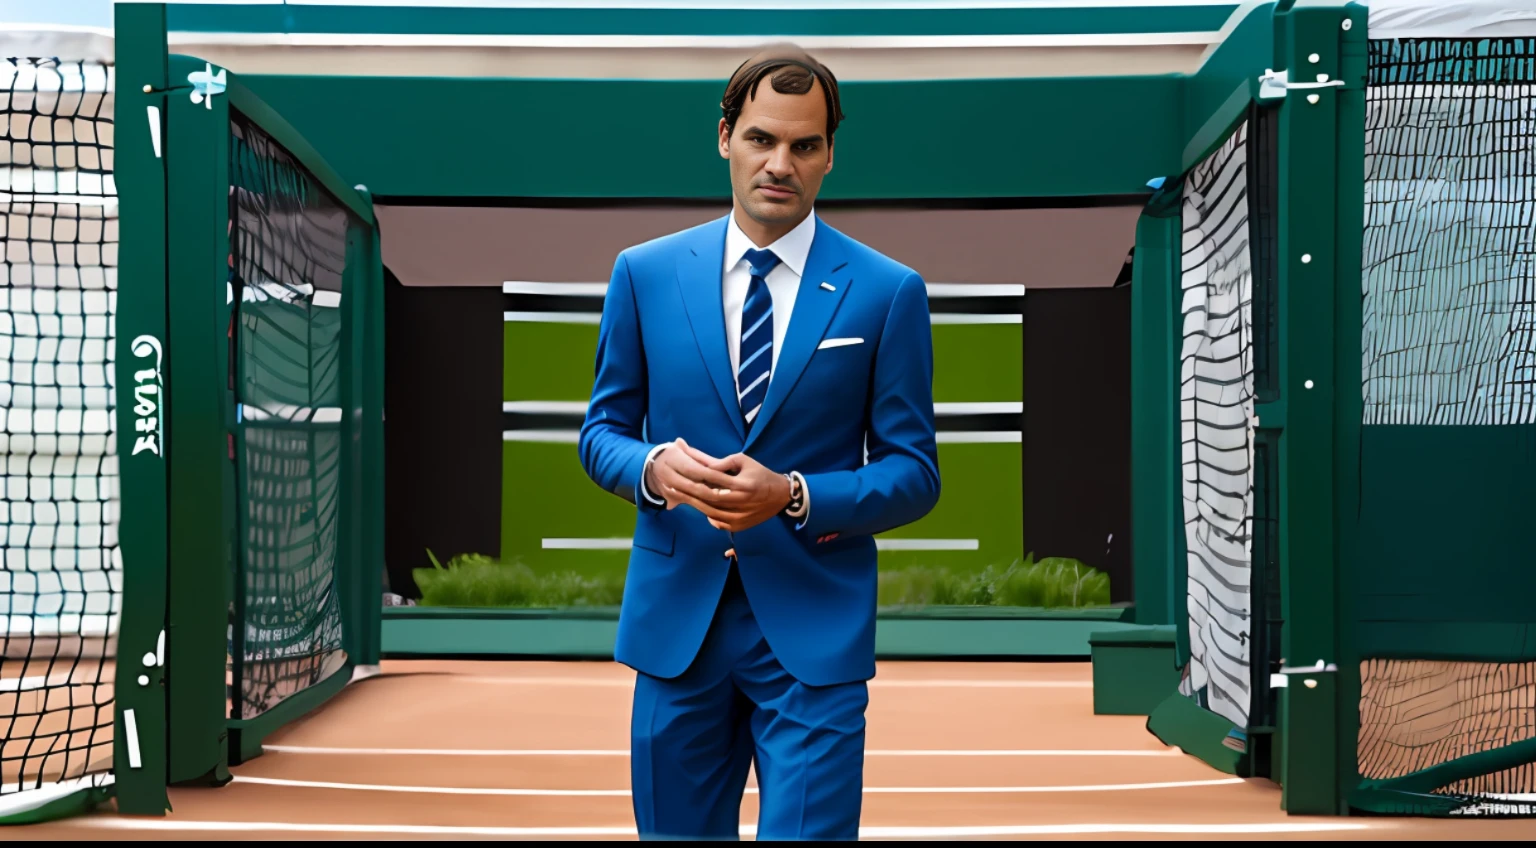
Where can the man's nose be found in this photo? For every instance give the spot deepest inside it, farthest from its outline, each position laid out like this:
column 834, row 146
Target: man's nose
column 779, row 164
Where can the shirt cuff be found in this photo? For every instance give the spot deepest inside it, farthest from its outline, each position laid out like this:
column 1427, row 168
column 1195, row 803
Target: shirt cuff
column 803, row 514
column 645, row 472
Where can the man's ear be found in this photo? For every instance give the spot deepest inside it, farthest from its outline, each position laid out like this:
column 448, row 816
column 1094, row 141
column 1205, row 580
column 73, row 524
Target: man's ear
column 725, row 140
column 831, row 151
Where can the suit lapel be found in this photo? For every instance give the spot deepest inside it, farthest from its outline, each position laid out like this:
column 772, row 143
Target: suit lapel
column 699, row 280
column 814, row 308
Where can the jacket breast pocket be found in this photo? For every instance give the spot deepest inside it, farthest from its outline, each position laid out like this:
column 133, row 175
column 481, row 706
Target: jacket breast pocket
column 653, row 533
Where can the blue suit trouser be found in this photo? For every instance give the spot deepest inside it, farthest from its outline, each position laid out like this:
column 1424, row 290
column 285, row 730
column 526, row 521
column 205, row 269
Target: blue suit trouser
column 694, row 737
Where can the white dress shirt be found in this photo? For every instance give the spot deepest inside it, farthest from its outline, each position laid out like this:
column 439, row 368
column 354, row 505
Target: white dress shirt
column 783, row 282
column 792, row 249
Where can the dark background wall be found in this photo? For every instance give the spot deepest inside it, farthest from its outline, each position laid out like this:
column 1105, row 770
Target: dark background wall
column 442, row 425
column 1077, row 429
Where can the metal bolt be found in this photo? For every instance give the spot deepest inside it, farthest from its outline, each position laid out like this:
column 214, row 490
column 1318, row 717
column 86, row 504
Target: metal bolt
column 1306, row 258
column 1308, row 384
column 1322, row 77
column 1312, row 98
column 148, row 88
column 149, row 659
column 1314, row 58
column 1348, row 24
column 1309, row 683
column 143, row 680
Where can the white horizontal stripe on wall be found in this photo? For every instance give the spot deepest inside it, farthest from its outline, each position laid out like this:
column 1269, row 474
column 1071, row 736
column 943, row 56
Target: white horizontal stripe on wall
column 979, row 437
column 553, row 317
column 976, row 318
column 999, row 408
column 546, row 407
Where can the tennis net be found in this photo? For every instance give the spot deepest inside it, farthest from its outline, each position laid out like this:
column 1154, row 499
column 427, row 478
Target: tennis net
column 289, row 253
column 60, row 578
column 1447, row 709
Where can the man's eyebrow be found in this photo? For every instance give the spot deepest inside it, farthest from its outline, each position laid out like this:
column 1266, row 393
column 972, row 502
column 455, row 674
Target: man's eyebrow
column 816, row 138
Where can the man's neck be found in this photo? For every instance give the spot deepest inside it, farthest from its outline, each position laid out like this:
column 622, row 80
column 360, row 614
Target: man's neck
column 761, row 235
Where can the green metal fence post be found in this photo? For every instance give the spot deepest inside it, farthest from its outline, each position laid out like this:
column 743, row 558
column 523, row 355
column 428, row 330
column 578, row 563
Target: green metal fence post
column 1307, row 285
column 1154, row 415
column 1350, row 409
column 197, row 148
column 143, row 377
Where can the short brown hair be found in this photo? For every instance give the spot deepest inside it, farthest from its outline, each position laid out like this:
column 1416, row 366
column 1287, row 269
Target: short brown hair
column 790, row 70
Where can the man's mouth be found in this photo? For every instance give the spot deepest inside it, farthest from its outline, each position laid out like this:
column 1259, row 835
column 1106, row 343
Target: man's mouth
column 776, row 191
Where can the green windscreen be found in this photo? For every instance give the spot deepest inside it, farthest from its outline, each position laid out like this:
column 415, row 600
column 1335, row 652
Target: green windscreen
column 288, row 246
column 1445, row 573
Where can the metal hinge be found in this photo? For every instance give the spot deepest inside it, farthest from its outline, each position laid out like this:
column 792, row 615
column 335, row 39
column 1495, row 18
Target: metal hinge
column 1282, row 680
column 205, row 84
column 1274, row 84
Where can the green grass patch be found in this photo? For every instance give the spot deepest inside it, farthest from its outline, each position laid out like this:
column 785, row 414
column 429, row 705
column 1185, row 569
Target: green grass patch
column 1051, row 583
column 476, row 580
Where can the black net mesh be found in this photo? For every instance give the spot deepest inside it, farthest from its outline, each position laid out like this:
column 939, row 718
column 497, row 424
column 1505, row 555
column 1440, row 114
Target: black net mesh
column 288, row 248
column 1449, row 362
column 60, row 578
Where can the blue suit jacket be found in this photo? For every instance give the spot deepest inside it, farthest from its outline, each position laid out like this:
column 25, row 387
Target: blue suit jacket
column 663, row 371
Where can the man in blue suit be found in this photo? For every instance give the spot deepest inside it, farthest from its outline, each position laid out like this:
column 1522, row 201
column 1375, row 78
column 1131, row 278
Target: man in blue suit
column 764, row 396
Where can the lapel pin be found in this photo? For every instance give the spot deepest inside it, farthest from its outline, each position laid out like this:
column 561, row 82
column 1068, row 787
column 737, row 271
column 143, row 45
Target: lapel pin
column 829, row 287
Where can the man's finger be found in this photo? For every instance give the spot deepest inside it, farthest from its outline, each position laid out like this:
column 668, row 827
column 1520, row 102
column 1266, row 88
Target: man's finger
column 730, row 464
column 671, row 478
column 698, row 455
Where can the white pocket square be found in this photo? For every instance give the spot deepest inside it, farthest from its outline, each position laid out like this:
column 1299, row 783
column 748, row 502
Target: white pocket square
column 839, row 343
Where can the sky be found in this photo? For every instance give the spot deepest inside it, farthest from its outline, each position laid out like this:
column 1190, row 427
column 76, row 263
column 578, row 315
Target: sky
column 97, row 13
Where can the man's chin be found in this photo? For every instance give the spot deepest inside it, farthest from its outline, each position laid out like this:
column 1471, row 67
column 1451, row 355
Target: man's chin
column 767, row 211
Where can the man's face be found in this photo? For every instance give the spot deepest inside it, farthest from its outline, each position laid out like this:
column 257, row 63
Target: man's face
column 779, row 154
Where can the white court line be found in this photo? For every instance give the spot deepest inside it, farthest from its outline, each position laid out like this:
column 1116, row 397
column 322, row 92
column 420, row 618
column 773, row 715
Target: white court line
column 750, row 790
column 147, row 824
column 589, row 752
column 622, row 682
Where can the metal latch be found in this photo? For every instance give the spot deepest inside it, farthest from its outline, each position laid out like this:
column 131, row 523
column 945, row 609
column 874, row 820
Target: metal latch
column 1274, row 84
column 1281, row 680
column 205, row 84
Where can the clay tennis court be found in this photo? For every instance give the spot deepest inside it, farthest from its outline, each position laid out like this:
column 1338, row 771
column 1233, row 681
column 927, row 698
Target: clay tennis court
column 461, row 750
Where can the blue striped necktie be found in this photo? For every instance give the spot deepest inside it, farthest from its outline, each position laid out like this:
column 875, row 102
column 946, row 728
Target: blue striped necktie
column 756, row 351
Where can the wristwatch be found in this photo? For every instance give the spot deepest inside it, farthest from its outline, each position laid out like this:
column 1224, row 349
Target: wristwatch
column 796, row 506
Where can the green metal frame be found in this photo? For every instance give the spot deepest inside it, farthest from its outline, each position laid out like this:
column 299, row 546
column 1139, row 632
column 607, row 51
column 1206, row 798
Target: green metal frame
column 1316, row 133
column 139, row 746
column 202, row 740
column 1179, row 119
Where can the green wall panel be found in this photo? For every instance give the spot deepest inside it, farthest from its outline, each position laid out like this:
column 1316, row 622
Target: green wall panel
column 766, row 22
column 549, row 361
column 1066, row 137
column 982, row 499
column 564, row 504
column 974, row 363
